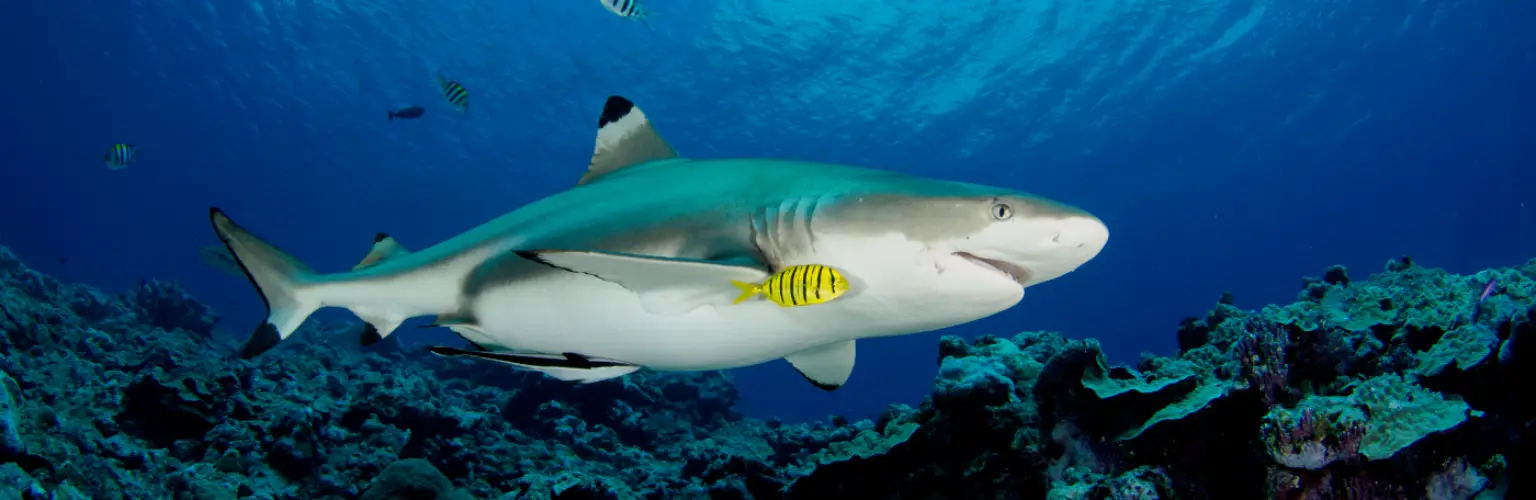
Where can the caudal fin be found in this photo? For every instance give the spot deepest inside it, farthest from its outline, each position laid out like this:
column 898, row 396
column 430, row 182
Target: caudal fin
column 283, row 282
column 747, row 291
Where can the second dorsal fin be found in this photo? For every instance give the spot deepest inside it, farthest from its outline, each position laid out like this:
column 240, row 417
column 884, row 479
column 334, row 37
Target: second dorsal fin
column 384, row 248
column 624, row 138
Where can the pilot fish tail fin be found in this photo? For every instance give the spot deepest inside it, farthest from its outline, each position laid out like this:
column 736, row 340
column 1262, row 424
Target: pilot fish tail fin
column 285, row 285
column 747, row 291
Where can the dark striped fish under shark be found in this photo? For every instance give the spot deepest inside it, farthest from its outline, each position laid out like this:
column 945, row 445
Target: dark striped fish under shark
column 635, row 266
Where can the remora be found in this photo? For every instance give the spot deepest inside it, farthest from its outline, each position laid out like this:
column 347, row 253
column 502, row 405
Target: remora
column 632, row 267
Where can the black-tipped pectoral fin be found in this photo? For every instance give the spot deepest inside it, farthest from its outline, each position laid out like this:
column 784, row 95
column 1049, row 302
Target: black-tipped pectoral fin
column 828, row 366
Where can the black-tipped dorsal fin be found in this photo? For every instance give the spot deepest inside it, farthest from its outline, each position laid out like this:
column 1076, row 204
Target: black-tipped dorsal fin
column 624, row 138
column 384, row 248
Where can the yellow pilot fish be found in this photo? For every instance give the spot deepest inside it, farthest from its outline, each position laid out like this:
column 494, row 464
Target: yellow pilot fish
column 802, row 285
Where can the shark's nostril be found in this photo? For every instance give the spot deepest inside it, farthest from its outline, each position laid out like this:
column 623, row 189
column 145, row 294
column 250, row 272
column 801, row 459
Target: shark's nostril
column 1056, row 239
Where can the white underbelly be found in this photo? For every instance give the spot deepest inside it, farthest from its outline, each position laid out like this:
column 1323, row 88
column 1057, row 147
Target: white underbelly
column 893, row 292
column 569, row 312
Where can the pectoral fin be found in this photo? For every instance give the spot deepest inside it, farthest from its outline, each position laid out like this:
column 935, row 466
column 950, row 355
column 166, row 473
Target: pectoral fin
column 827, row 366
column 666, row 286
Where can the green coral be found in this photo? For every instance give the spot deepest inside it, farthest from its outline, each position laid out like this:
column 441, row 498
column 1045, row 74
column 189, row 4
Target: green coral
column 1174, row 386
column 1305, row 316
column 1401, row 413
column 1096, row 377
column 1464, row 347
column 867, row 444
column 1397, row 413
column 1417, row 298
column 1196, row 400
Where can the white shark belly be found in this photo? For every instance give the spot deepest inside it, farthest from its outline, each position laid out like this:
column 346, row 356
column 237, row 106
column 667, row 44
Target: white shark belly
column 577, row 313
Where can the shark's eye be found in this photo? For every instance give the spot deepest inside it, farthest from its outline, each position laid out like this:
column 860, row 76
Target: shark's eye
column 1001, row 211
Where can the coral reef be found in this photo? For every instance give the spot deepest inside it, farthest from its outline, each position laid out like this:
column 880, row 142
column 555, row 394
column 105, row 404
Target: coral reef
column 1406, row 385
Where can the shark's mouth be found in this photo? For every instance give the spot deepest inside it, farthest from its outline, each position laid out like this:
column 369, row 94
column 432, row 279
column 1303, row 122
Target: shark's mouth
column 1019, row 274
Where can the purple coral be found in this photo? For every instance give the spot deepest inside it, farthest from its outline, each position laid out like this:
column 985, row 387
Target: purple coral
column 1458, row 481
column 1311, row 441
column 1262, row 354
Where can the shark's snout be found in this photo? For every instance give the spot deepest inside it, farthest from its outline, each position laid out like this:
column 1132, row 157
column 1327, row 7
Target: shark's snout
column 1075, row 240
column 1035, row 250
column 1085, row 236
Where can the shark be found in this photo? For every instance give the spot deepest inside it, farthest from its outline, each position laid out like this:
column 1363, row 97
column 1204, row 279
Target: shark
column 632, row 268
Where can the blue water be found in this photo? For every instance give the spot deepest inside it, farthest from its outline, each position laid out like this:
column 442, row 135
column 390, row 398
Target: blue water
column 1229, row 145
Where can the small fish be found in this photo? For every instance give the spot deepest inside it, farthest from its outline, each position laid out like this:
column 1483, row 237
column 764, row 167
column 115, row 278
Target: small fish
column 1488, row 289
column 455, row 93
column 406, row 113
column 797, row 286
column 120, row 156
column 629, row 9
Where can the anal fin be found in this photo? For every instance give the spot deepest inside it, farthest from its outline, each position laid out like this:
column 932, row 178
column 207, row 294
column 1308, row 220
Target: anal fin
column 378, row 325
column 570, row 367
column 827, row 366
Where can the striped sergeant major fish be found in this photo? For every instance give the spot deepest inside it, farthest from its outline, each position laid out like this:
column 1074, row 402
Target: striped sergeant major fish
column 120, row 156
column 457, row 96
column 628, row 9
column 802, row 285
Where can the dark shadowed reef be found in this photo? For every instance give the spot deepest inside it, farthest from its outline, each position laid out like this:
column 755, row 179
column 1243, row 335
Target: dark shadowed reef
column 1406, row 385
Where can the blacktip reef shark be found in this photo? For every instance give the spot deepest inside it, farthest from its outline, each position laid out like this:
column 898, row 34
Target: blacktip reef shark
column 633, row 267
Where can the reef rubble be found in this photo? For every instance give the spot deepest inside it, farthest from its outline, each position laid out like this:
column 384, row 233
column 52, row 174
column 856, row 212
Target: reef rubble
column 1408, row 384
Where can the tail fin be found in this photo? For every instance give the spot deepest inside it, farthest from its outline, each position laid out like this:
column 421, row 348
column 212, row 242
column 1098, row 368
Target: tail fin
column 747, row 291
column 280, row 279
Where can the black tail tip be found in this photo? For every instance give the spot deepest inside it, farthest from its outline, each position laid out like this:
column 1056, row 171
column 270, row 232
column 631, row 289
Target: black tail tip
column 380, row 237
column 370, row 336
column 263, row 340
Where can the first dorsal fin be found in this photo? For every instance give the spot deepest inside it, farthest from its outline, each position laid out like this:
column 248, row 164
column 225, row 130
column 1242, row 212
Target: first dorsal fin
column 384, row 248
column 624, row 138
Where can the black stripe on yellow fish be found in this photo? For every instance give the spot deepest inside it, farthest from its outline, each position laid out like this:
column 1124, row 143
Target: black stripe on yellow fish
column 797, row 293
column 816, row 281
column 801, row 285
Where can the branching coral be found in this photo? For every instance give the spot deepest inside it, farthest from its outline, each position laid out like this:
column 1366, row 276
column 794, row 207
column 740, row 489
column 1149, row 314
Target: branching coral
column 1262, row 354
column 1310, row 439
